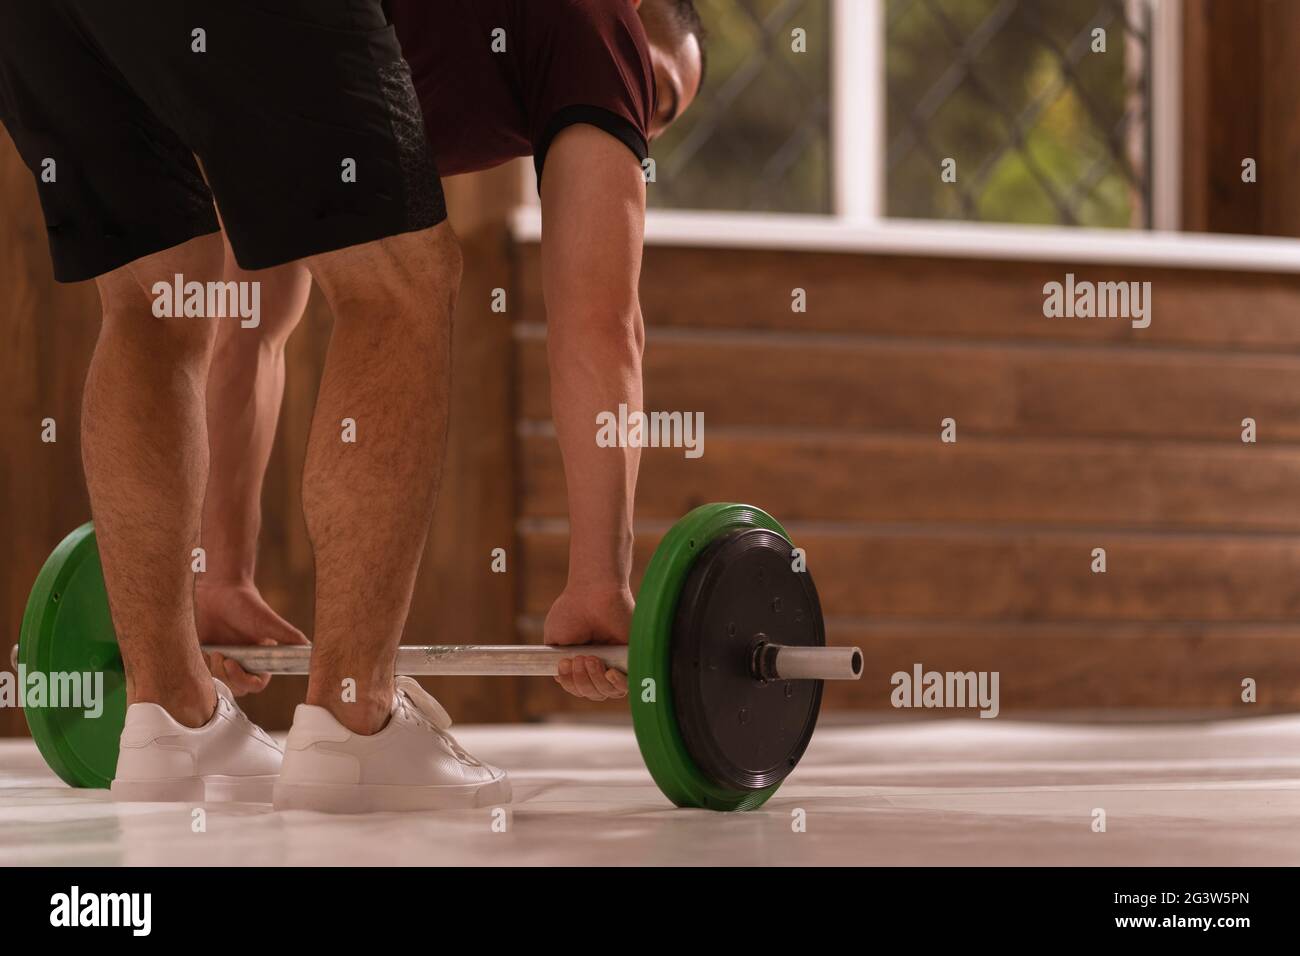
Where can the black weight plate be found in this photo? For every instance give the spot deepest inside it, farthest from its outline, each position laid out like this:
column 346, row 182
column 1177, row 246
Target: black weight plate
column 740, row 731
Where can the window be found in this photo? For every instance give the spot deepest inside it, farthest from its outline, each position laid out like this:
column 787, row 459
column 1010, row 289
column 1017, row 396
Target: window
column 759, row 139
column 1045, row 106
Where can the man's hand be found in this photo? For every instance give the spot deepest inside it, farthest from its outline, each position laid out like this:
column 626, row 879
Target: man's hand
column 590, row 616
column 236, row 614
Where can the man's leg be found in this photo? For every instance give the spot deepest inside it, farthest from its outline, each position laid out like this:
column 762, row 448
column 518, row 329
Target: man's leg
column 245, row 388
column 144, row 445
column 368, row 503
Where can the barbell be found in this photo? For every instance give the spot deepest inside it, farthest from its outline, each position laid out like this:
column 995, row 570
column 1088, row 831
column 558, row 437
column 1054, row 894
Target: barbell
column 725, row 660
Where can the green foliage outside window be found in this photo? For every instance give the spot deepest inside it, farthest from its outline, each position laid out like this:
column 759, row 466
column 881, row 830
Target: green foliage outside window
column 1042, row 128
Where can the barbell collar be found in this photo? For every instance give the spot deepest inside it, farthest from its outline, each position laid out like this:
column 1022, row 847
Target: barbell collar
column 784, row 662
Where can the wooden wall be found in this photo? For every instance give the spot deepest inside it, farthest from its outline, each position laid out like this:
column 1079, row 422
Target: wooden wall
column 1239, row 63
column 1072, row 435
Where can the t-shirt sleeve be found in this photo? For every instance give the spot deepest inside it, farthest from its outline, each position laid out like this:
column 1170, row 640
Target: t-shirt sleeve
column 593, row 67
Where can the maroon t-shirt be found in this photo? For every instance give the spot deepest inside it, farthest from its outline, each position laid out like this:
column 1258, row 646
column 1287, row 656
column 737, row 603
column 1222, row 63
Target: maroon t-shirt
column 565, row 62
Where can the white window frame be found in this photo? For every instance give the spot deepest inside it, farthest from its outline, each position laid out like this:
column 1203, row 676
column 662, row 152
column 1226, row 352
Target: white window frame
column 858, row 110
column 857, row 221
column 1166, row 114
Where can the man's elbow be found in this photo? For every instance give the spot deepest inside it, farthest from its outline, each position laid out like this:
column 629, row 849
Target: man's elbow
column 613, row 328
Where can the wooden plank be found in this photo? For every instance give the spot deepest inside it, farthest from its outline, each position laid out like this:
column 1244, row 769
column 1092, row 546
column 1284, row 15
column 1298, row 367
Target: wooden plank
column 1279, row 133
column 1087, row 666
column 1046, row 667
column 1229, row 55
column 1235, row 103
column 1195, row 114
column 1238, row 102
column 940, row 298
column 975, row 480
column 1065, row 667
column 849, row 382
column 886, row 574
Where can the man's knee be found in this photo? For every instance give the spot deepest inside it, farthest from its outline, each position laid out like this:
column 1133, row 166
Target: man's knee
column 146, row 301
column 412, row 275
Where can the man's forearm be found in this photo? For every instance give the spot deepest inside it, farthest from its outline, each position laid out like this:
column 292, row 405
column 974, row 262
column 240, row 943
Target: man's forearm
column 593, row 207
column 595, row 363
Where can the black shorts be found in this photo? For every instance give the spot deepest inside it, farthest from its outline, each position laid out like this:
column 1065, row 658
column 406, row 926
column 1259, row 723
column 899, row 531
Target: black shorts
column 110, row 102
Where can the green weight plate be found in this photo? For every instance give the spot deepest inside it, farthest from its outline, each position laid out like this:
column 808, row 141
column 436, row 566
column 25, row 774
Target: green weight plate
column 67, row 629
column 649, row 658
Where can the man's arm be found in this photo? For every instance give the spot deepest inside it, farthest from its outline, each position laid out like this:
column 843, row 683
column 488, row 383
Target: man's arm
column 593, row 216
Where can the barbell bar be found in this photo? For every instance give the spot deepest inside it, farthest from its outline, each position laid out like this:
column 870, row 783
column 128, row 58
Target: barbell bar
column 770, row 661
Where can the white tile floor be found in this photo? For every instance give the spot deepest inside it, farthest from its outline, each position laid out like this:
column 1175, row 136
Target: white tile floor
column 950, row 792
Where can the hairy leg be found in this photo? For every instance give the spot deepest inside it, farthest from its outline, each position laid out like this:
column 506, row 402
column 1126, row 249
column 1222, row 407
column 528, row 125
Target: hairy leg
column 245, row 389
column 368, row 503
column 145, row 450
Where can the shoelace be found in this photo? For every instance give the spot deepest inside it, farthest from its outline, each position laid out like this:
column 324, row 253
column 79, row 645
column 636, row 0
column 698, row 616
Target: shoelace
column 418, row 703
column 236, row 711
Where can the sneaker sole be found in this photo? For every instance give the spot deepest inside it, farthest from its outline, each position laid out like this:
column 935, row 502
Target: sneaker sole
column 383, row 798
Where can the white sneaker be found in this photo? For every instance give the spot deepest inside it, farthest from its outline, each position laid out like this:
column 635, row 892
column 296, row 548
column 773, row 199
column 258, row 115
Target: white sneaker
column 228, row 758
column 411, row 764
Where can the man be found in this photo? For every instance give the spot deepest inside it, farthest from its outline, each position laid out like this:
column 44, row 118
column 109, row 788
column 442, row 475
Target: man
column 582, row 85
column 304, row 119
